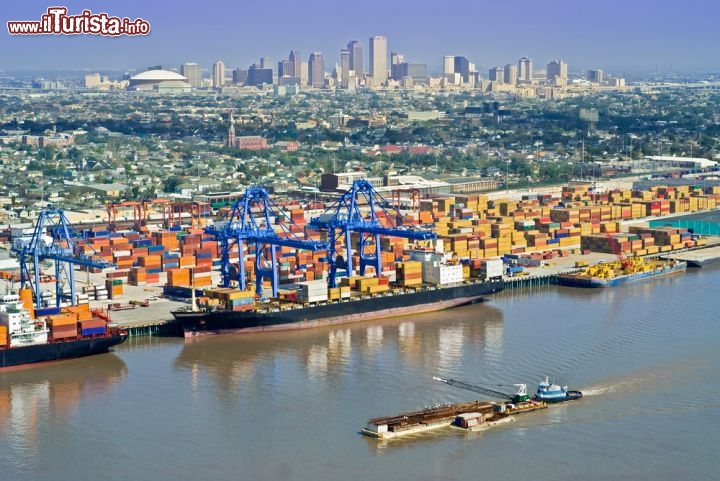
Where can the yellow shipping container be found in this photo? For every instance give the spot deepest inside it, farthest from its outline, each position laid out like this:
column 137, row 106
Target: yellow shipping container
column 239, row 295
column 364, row 282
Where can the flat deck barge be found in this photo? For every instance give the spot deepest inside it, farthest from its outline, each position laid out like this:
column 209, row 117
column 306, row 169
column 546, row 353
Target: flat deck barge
column 470, row 416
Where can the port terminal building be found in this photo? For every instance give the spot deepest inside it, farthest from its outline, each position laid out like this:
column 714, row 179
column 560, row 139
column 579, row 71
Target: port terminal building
column 341, row 182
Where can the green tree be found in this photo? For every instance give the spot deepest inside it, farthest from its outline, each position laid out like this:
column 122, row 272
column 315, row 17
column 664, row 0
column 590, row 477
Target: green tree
column 171, row 183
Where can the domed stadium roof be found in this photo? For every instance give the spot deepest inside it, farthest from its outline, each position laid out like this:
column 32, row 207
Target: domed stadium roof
column 157, row 76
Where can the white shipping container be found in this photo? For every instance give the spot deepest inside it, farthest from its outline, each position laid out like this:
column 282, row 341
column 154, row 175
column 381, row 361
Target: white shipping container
column 525, row 261
column 491, row 268
column 314, row 298
column 442, row 274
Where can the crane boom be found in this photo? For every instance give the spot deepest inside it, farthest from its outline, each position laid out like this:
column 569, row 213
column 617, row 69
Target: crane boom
column 521, row 395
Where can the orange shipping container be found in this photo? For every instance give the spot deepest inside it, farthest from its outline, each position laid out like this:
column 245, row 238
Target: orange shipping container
column 63, row 319
column 91, row 323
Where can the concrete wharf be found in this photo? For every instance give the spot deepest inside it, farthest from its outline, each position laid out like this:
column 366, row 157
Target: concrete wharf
column 699, row 257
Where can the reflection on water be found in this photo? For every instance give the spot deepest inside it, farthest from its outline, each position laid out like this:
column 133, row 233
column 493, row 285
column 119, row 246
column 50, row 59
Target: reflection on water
column 435, row 341
column 32, row 397
column 289, row 405
column 317, row 362
column 374, row 338
column 450, row 348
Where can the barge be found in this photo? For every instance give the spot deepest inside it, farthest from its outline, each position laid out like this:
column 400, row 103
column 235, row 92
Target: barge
column 622, row 271
column 472, row 416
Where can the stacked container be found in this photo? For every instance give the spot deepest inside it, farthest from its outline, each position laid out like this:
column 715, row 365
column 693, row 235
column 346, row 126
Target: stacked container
column 409, row 273
column 92, row 327
column 63, row 325
column 101, row 293
column 114, row 288
column 178, row 277
column 137, row 276
column 234, row 300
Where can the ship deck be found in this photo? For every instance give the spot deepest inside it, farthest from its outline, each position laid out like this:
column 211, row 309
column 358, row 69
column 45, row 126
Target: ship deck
column 432, row 414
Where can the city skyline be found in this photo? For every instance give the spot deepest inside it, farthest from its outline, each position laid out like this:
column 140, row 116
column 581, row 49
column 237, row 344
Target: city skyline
column 640, row 35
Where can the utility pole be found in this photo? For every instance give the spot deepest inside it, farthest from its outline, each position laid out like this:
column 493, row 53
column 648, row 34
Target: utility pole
column 507, row 176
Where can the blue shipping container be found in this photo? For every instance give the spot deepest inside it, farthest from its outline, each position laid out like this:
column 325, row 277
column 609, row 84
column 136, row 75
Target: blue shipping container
column 177, row 291
column 47, row 311
column 93, row 331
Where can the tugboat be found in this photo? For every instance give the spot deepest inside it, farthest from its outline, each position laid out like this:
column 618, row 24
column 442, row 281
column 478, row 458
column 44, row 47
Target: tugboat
column 552, row 393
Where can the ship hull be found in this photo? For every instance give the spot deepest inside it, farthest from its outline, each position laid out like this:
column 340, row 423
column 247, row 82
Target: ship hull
column 577, row 280
column 40, row 353
column 571, row 396
column 335, row 313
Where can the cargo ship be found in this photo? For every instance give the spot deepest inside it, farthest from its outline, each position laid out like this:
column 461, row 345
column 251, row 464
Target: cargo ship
column 348, row 307
column 53, row 334
column 621, row 271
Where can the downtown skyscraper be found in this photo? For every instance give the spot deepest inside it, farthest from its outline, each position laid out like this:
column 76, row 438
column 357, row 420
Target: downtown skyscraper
column 316, row 70
column 557, row 69
column 525, row 70
column 193, row 74
column 218, row 74
column 356, row 58
column 344, row 68
column 378, row 60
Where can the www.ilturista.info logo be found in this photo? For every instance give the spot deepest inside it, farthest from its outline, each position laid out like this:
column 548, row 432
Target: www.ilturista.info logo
column 57, row 22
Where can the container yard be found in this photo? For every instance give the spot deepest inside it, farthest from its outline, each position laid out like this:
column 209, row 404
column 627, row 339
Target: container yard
column 534, row 232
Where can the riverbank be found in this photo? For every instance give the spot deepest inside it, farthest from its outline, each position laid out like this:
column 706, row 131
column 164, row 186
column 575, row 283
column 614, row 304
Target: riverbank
column 156, row 317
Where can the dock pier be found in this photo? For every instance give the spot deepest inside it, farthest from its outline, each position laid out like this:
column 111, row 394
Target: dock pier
column 166, row 328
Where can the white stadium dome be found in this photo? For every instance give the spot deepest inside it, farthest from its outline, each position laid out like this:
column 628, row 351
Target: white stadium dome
column 158, row 80
column 157, row 76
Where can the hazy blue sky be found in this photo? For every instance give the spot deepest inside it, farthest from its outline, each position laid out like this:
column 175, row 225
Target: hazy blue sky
column 610, row 34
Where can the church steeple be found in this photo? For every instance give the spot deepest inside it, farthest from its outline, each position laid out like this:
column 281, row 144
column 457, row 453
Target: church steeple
column 231, row 133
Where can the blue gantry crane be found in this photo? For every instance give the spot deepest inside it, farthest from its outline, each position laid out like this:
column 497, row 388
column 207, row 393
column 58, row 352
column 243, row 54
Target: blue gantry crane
column 348, row 214
column 53, row 239
column 251, row 221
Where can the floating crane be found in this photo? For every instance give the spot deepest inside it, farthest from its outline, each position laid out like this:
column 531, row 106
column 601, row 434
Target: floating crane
column 345, row 216
column 251, row 220
column 520, row 396
column 625, row 263
column 59, row 245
